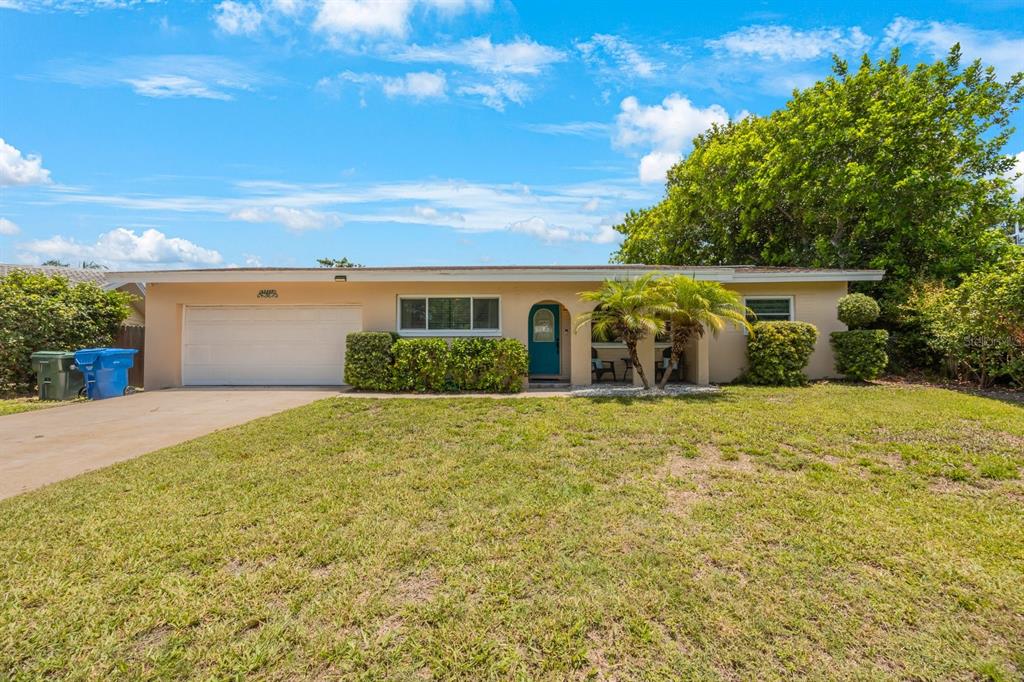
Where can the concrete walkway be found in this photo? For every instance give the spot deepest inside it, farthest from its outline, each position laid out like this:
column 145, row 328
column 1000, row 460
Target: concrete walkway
column 45, row 446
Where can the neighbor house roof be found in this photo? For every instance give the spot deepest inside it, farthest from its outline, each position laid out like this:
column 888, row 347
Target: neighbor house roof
column 96, row 275
column 490, row 273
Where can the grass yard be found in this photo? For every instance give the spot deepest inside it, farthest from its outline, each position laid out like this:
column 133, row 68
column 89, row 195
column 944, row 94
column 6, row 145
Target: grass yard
column 16, row 405
column 834, row 532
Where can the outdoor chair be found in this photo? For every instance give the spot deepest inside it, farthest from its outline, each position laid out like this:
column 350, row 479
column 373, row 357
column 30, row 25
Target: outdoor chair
column 663, row 366
column 600, row 367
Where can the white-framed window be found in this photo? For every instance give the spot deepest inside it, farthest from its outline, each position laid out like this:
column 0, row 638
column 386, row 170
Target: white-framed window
column 769, row 308
column 449, row 315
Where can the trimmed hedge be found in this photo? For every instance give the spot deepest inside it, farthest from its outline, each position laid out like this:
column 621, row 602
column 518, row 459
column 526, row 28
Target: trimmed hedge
column 380, row 361
column 492, row 365
column 778, row 352
column 860, row 353
column 420, row 365
column 857, row 311
column 368, row 360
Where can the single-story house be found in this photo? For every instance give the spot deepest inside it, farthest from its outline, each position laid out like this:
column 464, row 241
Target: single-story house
column 287, row 326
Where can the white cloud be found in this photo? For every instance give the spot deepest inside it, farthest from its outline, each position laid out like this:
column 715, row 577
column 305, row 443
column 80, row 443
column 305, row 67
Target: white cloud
column 163, row 76
column 237, row 18
column 376, row 18
column 295, row 219
column 521, row 57
column 19, row 169
column 453, row 204
column 613, row 55
column 592, row 205
column 995, row 48
column 76, row 6
column 574, row 128
column 785, row 43
column 122, row 247
column 498, row 94
column 667, row 128
column 8, row 228
column 543, row 230
column 432, row 215
column 419, row 85
column 174, row 86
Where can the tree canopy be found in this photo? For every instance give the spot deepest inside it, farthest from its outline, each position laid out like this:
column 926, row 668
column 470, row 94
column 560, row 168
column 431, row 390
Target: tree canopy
column 885, row 166
column 38, row 312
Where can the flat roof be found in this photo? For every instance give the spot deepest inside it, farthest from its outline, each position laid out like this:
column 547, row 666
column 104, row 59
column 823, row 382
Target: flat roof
column 491, row 273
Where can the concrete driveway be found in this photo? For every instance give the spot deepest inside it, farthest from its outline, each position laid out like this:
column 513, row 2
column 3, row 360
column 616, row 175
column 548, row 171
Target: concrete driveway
column 45, row 446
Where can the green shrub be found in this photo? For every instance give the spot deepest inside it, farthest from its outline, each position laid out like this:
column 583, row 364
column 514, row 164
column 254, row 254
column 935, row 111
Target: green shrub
column 860, row 353
column 979, row 326
column 778, row 352
column 38, row 312
column 492, row 365
column 469, row 361
column 857, row 311
column 420, row 365
column 510, row 368
column 368, row 360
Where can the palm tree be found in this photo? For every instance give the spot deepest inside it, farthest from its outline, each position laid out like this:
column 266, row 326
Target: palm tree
column 694, row 306
column 629, row 310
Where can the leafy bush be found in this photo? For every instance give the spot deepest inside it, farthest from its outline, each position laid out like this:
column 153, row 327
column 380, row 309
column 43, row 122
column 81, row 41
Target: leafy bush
column 778, row 352
column 494, row 365
column 857, row 311
column 510, row 368
column 368, row 360
column 38, row 312
column 420, row 365
column 979, row 325
column 860, row 353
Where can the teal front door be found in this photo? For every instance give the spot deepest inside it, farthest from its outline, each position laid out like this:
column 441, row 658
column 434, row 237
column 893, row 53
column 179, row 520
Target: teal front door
column 544, row 344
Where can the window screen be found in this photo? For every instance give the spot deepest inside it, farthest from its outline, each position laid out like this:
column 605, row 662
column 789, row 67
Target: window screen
column 770, row 309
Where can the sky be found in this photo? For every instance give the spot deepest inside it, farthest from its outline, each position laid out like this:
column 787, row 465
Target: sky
column 248, row 133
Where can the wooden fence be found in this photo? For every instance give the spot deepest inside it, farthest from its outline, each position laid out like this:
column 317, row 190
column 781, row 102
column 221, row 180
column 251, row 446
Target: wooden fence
column 134, row 337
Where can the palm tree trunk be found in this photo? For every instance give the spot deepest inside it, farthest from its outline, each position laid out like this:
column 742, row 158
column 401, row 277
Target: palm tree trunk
column 635, row 359
column 680, row 337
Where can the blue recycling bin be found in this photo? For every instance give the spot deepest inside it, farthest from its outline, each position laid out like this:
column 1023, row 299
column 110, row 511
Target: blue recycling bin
column 105, row 370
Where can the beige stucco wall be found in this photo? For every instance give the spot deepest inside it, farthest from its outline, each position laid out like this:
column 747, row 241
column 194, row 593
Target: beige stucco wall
column 723, row 356
column 813, row 302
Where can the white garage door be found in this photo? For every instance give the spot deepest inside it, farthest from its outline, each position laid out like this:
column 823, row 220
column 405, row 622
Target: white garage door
column 266, row 345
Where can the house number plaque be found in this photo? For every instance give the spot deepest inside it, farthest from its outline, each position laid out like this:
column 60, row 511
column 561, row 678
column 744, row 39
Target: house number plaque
column 267, row 293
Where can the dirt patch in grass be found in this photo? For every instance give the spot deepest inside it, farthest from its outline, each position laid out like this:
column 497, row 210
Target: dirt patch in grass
column 153, row 638
column 417, row 589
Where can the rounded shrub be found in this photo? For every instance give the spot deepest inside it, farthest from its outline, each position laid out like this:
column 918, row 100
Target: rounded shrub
column 860, row 353
column 368, row 360
column 857, row 311
column 778, row 352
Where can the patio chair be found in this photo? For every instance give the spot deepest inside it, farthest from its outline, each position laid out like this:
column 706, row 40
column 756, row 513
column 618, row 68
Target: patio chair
column 601, row 367
column 661, row 367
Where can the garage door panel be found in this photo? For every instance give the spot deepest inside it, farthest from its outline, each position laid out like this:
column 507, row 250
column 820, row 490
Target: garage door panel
column 266, row 345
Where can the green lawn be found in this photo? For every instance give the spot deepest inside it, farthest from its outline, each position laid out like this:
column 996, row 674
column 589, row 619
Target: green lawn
column 831, row 532
column 16, row 405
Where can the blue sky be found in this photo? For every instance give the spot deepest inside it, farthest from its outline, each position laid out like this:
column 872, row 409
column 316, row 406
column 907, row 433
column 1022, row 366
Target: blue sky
column 397, row 132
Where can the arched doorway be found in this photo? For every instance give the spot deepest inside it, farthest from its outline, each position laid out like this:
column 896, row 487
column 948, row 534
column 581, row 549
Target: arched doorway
column 545, row 342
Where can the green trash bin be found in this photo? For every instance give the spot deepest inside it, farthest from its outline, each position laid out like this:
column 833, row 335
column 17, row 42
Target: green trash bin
column 58, row 377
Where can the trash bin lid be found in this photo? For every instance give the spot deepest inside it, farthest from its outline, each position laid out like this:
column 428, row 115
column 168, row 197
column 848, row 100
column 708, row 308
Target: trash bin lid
column 50, row 354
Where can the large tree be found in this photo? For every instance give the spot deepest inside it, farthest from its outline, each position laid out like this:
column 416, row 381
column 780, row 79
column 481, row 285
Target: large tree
column 885, row 167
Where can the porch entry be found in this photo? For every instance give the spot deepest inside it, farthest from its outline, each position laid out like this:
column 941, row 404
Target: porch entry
column 545, row 345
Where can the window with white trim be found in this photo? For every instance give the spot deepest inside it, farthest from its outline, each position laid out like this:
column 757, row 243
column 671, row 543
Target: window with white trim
column 449, row 315
column 769, row 308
